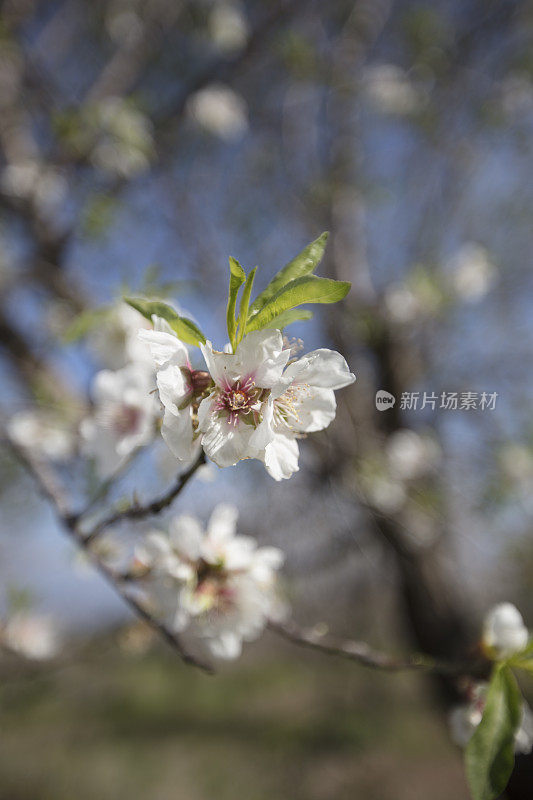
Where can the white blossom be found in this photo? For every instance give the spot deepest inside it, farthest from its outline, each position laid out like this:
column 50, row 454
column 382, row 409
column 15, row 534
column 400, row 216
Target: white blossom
column 411, row 455
column 123, row 417
column 178, row 385
column 219, row 110
column 116, row 343
column 32, row 635
column 227, row 26
column 43, row 433
column 216, row 584
column 390, row 89
column 464, row 719
column 471, row 272
column 301, row 401
column 229, row 418
column 504, row 632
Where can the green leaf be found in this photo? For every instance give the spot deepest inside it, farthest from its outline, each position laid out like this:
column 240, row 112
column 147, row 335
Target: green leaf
column 288, row 317
column 84, row 323
column 184, row 328
column 304, row 263
column 245, row 302
column 308, row 289
column 236, row 279
column 489, row 756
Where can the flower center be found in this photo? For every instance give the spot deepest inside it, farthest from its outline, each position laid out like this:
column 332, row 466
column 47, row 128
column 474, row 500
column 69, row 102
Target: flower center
column 287, row 405
column 238, row 399
column 126, row 420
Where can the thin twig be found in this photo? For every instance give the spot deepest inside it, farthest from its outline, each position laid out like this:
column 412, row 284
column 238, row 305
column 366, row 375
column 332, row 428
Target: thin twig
column 363, row 654
column 137, row 511
column 53, row 492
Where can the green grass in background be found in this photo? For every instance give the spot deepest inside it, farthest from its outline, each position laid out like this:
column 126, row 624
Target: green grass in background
column 286, row 726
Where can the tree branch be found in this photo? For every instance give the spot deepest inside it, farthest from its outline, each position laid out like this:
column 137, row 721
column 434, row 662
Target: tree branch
column 53, row 492
column 136, row 511
column 364, row 654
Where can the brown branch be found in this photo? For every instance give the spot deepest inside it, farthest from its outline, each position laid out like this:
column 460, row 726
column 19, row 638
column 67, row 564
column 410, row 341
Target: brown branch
column 137, row 511
column 53, row 492
column 364, row 654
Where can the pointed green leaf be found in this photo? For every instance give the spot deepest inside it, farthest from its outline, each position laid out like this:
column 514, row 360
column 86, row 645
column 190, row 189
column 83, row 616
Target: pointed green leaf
column 304, row 263
column 288, row 317
column 236, row 279
column 184, row 328
column 245, row 302
column 489, row 756
column 308, row 289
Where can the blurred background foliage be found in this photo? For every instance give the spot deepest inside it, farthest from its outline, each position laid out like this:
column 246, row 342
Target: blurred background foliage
column 144, row 142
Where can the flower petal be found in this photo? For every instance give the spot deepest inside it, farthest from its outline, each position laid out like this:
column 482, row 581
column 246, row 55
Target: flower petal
column 281, row 457
column 177, row 431
column 324, row 368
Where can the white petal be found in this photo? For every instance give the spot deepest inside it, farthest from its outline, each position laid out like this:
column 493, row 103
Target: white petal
column 281, row 457
column 172, row 386
column 205, row 412
column 222, row 367
column 504, row 630
column 324, row 368
column 264, row 432
column 223, row 522
column 107, row 386
column 316, row 410
column 165, row 347
column 186, row 536
column 261, row 356
column 226, row 444
column 177, row 431
column 227, row 646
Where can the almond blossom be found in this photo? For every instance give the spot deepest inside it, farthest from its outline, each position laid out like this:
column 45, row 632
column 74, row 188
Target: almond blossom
column 179, row 386
column 504, row 632
column 218, row 585
column 32, row 635
column 230, row 417
column 123, row 418
column 258, row 408
column 302, row 401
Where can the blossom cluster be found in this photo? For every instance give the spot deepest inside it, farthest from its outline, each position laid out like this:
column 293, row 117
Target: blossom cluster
column 216, row 584
column 253, row 399
column 254, row 403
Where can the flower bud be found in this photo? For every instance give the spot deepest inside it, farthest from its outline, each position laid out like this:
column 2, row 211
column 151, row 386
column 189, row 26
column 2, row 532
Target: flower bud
column 504, row 632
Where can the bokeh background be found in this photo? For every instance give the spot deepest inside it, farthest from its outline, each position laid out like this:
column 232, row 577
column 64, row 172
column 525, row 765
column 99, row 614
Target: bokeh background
column 144, row 141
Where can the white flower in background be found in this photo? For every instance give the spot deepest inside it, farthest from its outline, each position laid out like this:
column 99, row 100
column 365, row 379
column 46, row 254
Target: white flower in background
column 43, row 433
column 219, row 110
column 411, row 455
column 123, row 418
column 227, row 26
column 401, row 303
column 30, row 179
column 390, row 89
column 387, row 494
column 471, row 272
column 301, row 401
column 464, row 719
column 179, row 386
column 116, row 342
column 218, row 585
column 229, row 418
column 504, row 632
column 31, row 635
